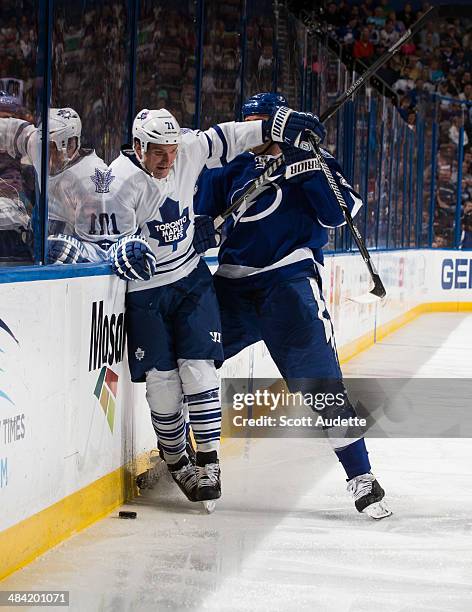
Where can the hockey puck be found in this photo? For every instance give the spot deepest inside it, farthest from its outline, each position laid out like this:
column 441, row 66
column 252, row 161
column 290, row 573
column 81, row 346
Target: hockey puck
column 126, row 514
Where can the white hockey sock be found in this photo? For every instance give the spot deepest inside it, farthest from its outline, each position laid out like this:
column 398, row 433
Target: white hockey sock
column 205, row 419
column 170, row 431
column 201, row 388
column 165, row 399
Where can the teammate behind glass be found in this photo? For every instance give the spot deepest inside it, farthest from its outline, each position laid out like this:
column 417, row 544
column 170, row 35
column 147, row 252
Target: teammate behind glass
column 268, row 281
column 78, row 186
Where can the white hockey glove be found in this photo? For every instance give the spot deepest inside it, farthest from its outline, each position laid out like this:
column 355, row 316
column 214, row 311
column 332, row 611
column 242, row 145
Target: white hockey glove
column 131, row 258
column 294, row 128
column 64, row 249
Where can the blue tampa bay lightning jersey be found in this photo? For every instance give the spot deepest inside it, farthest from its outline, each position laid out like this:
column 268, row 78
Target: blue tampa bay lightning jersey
column 285, row 225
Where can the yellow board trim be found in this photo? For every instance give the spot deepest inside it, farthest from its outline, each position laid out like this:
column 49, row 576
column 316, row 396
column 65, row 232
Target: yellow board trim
column 352, row 349
column 22, row 543
column 27, row 540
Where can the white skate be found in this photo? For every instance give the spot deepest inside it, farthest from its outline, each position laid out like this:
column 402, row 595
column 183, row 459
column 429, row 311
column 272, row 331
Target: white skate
column 368, row 496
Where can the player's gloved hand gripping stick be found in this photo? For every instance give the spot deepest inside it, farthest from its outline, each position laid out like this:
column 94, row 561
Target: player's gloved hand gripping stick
column 277, row 134
column 286, row 126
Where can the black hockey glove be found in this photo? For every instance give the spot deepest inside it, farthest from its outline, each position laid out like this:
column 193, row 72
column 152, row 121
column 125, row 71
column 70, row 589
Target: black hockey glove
column 205, row 237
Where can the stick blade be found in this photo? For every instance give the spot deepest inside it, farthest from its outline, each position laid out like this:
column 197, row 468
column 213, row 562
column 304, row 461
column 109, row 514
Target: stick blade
column 365, row 298
column 376, row 294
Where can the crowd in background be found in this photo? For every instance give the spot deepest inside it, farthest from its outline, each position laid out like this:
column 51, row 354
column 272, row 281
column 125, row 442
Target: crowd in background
column 18, row 55
column 170, row 82
column 222, row 56
column 432, row 74
column 167, row 42
column 91, row 72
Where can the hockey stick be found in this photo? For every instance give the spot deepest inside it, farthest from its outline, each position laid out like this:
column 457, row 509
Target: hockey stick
column 332, row 110
column 253, row 188
column 383, row 59
column 378, row 291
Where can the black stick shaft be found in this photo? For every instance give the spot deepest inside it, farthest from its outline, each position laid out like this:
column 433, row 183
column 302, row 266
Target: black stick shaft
column 333, row 109
column 383, row 59
column 379, row 289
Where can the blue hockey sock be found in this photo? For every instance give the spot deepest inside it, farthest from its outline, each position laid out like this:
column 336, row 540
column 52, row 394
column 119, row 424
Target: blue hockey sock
column 354, row 459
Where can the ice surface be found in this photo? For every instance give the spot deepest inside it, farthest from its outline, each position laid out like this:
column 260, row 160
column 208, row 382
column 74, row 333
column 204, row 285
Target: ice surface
column 285, row 536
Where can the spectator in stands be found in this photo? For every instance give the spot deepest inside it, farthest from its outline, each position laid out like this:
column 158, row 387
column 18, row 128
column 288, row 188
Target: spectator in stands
column 417, row 93
column 389, row 35
column 366, row 9
column 409, row 48
column 378, row 18
column 411, row 118
column 349, row 33
column 436, row 73
column 397, row 22
column 374, row 34
column 332, row 16
column 363, row 48
column 454, row 131
column 404, row 107
column 466, row 238
column 407, row 15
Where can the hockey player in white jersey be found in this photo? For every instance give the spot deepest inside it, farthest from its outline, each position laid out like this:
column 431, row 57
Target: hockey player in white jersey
column 173, row 323
column 78, row 184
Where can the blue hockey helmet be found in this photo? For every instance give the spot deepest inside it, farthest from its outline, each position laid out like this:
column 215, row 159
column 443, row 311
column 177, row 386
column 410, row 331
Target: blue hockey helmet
column 263, row 104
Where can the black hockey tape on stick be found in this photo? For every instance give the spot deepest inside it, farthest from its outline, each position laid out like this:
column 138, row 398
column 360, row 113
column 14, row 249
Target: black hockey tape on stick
column 378, row 290
column 256, row 186
column 443, row 11
column 383, row 59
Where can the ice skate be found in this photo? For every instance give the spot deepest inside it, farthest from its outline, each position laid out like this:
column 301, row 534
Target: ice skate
column 368, row 496
column 208, row 483
column 183, row 472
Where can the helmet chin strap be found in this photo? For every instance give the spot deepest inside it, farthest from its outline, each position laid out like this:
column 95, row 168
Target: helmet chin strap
column 143, row 151
column 140, row 158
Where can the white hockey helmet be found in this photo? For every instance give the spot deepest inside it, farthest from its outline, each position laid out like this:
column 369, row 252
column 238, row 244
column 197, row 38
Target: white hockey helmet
column 156, row 127
column 64, row 123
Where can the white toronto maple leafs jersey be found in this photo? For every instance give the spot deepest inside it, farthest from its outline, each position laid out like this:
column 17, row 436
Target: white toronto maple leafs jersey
column 78, row 196
column 162, row 209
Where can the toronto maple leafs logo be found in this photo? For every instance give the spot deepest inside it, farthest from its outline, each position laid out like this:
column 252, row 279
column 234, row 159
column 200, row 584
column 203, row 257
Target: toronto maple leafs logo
column 66, row 113
column 172, row 229
column 102, row 180
column 142, row 115
column 139, row 354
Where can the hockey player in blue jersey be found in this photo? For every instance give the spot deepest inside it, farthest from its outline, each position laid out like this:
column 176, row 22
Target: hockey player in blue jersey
column 268, row 281
column 173, row 323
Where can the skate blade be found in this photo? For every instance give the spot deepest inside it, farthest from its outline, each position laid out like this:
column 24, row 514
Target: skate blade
column 378, row 510
column 209, row 505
